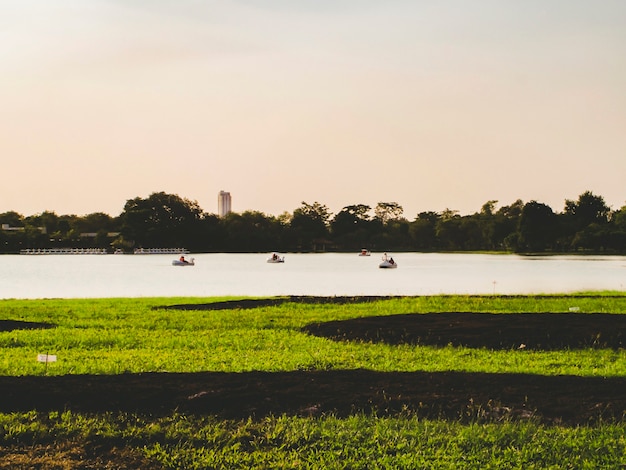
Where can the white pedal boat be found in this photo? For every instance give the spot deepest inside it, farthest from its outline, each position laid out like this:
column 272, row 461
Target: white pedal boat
column 388, row 262
column 276, row 259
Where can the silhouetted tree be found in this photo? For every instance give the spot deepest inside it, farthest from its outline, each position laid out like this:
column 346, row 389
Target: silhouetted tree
column 386, row 211
column 588, row 209
column 422, row 231
column 308, row 224
column 505, row 234
column 350, row 228
column 160, row 220
column 537, row 227
column 252, row 231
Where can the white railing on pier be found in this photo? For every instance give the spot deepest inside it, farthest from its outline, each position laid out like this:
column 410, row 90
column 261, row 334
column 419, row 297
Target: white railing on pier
column 160, row 251
column 64, row 251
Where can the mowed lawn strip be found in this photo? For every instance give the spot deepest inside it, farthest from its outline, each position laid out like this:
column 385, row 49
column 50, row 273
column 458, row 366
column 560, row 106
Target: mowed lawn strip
column 114, row 336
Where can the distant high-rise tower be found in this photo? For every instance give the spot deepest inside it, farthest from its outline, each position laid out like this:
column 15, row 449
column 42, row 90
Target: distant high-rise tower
column 223, row 203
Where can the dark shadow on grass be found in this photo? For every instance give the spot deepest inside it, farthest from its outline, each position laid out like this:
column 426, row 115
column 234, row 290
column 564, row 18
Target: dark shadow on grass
column 273, row 301
column 539, row 331
column 309, row 299
column 10, row 325
column 456, row 396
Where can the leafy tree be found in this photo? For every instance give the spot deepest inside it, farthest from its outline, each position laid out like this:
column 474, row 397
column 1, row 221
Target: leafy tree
column 448, row 232
column 472, row 234
column 616, row 238
column 498, row 226
column 12, row 241
column 449, row 214
column 252, row 231
column 212, row 234
column 386, row 211
column 310, row 224
column 514, row 211
column 422, row 231
column 12, row 218
column 537, row 227
column 588, row 209
column 486, row 225
column 160, row 220
column 619, row 218
column 316, row 212
column 396, row 235
column 582, row 222
column 47, row 220
column 95, row 222
column 350, row 227
column 64, row 227
column 505, row 234
column 488, row 207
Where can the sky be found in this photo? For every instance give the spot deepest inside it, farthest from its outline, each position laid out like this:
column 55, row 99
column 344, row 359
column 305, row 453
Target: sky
column 432, row 104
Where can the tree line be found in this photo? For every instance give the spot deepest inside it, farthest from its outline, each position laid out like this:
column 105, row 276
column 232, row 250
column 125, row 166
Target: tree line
column 168, row 220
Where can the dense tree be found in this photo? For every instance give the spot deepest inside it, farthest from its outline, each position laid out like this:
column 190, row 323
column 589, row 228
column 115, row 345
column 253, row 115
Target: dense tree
column 95, row 222
column 537, row 227
column 449, row 214
column 505, row 234
column 584, row 223
column 48, row 221
column 619, row 218
column 350, row 228
column 513, row 212
column 488, row 207
column 448, row 232
column 252, row 231
column 212, row 233
column 499, row 228
column 12, row 219
column 386, row 211
column 160, row 220
column 588, row 209
column 422, row 231
column 395, row 235
column 309, row 226
column 12, row 241
column 616, row 236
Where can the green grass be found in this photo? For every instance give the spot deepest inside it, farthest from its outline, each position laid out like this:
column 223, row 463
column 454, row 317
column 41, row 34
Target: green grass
column 113, row 336
column 360, row 442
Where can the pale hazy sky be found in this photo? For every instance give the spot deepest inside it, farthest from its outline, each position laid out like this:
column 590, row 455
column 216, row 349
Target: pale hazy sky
column 432, row 104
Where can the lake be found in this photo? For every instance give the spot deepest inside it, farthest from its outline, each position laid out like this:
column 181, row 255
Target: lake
column 327, row 274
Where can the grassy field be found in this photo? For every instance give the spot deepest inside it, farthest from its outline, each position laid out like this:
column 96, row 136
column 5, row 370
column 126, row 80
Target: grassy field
column 367, row 374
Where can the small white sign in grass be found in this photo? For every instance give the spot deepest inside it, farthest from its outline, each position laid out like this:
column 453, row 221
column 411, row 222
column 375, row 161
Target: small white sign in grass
column 46, row 358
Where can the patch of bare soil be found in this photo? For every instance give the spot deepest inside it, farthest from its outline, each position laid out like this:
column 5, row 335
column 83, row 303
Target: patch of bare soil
column 456, row 396
column 540, row 331
column 74, row 455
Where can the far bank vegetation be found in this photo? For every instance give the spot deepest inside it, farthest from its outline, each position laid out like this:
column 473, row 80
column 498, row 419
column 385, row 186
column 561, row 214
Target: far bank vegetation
column 585, row 225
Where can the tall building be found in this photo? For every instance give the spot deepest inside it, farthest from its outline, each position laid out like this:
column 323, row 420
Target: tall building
column 223, row 203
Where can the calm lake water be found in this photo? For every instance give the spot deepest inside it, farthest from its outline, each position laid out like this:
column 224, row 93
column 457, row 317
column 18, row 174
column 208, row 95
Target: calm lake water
column 328, row 274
